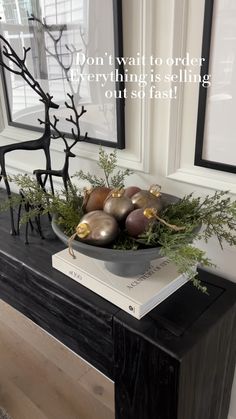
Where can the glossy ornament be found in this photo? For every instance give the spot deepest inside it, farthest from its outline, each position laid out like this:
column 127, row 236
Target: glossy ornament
column 148, row 199
column 138, row 221
column 131, row 190
column 94, row 198
column 97, row 228
column 118, row 205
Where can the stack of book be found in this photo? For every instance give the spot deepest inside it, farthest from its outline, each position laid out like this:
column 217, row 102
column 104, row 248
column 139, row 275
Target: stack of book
column 136, row 295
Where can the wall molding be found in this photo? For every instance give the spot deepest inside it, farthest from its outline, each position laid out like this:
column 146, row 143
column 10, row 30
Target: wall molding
column 176, row 106
column 183, row 112
column 208, row 178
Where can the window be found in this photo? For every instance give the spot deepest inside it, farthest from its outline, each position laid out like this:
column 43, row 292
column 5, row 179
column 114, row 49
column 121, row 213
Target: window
column 61, row 37
column 215, row 142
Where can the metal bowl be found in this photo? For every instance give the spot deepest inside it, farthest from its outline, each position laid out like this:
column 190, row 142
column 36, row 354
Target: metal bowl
column 119, row 262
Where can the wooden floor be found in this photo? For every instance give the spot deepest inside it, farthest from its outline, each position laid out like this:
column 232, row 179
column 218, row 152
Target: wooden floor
column 41, row 379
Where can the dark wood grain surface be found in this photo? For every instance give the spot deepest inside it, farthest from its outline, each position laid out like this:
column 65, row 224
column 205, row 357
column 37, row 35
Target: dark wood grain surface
column 197, row 335
column 189, row 365
column 146, row 378
column 206, row 371
column 186, row 316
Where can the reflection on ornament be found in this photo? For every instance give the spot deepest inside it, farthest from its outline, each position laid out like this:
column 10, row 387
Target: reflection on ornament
column 118, row 205
column 96, row 228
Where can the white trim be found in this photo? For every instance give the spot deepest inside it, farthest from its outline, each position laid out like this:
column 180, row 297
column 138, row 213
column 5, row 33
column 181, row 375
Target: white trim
column 176, row 106
column 136, row 156
column 209, row 178
column 183, row 112
column 147, row 43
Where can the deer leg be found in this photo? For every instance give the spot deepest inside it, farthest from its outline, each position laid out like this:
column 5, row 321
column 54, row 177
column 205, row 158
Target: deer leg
column 48, row 162
column 27, row 233
column 18, row 219
column 27, row 207
column 19, row 213
column 29, row 220
column 69, row 183
column 48, row 168
column 49, row 217
column 38, row 222
column 39, row 180
column 31, row 225
column 8, row 190
column 64, row 178
column 65, row 183
column 51, row 184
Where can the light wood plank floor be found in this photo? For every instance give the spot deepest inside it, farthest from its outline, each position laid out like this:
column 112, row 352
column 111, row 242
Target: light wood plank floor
column 41, row 379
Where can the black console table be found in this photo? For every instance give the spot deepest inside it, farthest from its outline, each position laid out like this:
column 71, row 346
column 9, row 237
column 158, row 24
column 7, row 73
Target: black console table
column 176, row 363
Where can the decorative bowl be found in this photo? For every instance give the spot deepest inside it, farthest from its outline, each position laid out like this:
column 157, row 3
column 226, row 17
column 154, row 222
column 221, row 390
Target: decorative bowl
column 120, row 262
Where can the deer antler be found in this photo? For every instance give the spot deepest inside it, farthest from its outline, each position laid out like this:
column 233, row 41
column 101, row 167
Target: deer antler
column 72, row 50
column 75, row 120
column 77, row 116
column 48, row 29
column 83, row 37
column 22, row 68
column 57, row 133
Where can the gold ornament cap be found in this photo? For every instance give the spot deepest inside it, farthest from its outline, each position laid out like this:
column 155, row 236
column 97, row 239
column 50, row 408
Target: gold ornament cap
column 83, row 230
column 87, row 190
column 155, row 190
column 150, row 213
column 117, row 193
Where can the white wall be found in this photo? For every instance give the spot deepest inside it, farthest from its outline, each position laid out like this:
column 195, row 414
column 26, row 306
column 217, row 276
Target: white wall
column 160, row 135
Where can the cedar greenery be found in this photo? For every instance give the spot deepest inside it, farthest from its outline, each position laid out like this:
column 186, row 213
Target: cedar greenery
column 217, row 216
column 108, row 163
column 202, row 217
column 67, row 205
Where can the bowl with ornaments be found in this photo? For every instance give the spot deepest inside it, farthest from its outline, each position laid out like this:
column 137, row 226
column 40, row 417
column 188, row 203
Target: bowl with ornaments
column 112, row 226
column 129, row 225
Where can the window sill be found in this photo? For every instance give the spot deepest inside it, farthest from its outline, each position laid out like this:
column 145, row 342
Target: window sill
column 211, row 179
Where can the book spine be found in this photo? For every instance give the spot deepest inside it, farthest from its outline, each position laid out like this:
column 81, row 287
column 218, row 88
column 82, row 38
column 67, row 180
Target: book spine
column 96, row 286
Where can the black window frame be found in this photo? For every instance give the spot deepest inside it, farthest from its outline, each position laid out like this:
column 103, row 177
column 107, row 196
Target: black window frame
column 202, row 103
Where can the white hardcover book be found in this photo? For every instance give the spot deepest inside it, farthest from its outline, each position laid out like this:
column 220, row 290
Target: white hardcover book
column 136, row 295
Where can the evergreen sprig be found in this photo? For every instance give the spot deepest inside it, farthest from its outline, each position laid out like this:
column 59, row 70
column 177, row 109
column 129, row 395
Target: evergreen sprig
column 202, row 218
column 216, row 213
column 94, row 180
column 108, row 163
column 67, row 205
column 124, row 242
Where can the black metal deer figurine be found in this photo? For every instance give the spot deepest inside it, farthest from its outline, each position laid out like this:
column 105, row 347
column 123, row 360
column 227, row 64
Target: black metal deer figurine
column 56, row 133
column 19, row 67
column 64, row 171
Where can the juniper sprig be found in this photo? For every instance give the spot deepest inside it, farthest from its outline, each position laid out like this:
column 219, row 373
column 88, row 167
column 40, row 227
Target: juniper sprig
column 112, row 178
